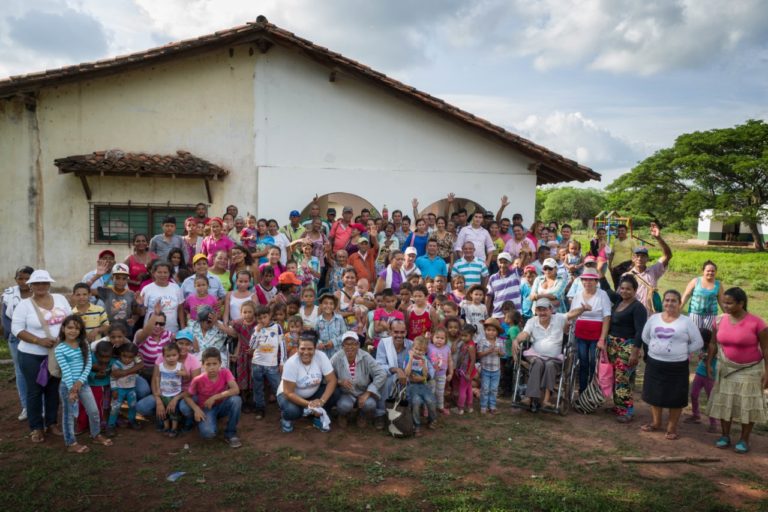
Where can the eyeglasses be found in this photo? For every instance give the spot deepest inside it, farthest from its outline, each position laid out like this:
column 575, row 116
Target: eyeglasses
column 160, row 324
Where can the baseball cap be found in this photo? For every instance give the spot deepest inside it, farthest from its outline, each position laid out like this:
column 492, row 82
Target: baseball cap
column 199, row 256
column 362, row 240
column 641, row 250
column 105, row 252
column 288, row 278
column 120, row 268
column 590, row 259
column 529, row 268
column 411, row 250
column 331, row 211
column 347, row 209
column 350, row 335
column 590, row 274
column 549, row 262
column 505, row 256
column 185, row 334
column 294, row 213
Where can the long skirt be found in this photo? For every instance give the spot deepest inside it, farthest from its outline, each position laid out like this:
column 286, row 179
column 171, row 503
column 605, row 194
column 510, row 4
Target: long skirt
column 665, row 384
column 738, row 392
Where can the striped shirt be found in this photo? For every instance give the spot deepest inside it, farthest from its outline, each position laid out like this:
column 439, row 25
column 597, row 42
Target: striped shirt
column 73, row 368
column 95, row 317
column 152, row 347
column 473, row 271
column 503, row 288
column 490, row 362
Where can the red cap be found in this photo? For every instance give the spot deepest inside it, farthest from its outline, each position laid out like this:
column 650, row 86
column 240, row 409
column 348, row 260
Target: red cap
column 288, row 278
column 106, row 251
column 358, row 227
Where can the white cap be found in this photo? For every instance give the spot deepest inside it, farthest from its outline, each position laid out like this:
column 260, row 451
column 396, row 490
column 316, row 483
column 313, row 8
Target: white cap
column 350, row 335
column 505, row 256
column 120, row 268
column 411, row 250
column 543, row 303
column 549, row 262
column 40, row 276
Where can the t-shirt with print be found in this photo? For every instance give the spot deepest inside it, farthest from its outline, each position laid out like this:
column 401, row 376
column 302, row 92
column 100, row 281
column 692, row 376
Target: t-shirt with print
column 170, row 380
column 381, row 314
column 191, row 364
column 439, row 356
column 475, row 314
column 170, row 298
column 204, row 388
column 119, row 306
column 126, row 382
column 268, row 345
column 307, row 377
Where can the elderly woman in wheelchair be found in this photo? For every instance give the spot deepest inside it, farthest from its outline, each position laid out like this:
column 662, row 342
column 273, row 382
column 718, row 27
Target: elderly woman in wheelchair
column 544, row 335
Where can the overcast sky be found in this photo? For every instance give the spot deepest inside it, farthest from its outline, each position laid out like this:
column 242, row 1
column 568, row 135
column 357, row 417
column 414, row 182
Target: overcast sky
column 605, row 82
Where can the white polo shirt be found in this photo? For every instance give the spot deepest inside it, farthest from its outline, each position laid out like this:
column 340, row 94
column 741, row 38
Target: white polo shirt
column 547, row 342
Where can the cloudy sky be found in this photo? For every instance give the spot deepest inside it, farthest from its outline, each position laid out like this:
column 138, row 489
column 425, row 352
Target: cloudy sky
column 605, row 82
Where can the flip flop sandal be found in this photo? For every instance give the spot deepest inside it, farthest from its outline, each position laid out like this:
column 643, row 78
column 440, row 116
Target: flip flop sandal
column 648, row 427
column 104, row 441
column 77, row 448
column 671, row 436
column 723, row 442
column 741, row 447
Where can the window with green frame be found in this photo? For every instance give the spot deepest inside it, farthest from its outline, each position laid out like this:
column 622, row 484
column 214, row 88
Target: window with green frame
column 120, row 222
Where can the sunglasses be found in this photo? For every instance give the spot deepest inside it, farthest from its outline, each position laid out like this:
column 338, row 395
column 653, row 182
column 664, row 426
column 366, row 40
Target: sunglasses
column 547, row 268
column 160, row 324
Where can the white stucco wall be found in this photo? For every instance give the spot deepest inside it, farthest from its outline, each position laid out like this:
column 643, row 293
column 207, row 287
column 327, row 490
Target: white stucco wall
column 201, row 104
column 317, row 136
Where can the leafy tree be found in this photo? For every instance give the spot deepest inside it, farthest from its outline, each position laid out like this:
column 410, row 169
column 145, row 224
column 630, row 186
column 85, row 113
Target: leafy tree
column 724, row 169
column 567, row 203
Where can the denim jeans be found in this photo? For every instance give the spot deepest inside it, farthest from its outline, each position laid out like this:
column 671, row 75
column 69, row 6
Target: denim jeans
column 489, row 388
column 147, row 407
column 229, row 408
column 258, row 372
column 346, row 403
column 290, row 411
column 389, row 387
column 127, row 395
column 30, row 366
column 70, row 411
column 419, row 393
column 587, row 361
column 21, row 384
column 143, row 389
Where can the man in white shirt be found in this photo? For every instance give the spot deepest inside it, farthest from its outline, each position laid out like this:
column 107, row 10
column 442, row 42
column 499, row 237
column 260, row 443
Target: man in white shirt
column 480, row 238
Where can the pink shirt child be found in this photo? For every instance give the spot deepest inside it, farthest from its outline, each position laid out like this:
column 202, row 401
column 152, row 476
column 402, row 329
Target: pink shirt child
column 190, row 365
column 193, row 303
column 202, row 387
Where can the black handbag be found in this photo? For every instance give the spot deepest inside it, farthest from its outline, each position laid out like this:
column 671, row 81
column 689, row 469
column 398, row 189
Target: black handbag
column 399, row 415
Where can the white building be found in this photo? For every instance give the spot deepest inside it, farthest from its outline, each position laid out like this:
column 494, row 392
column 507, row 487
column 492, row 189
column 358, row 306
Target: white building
column 713, row 229
column 268, row 119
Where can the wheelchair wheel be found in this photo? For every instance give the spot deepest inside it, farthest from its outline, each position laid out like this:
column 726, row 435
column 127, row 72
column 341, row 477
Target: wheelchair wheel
column 566, row 395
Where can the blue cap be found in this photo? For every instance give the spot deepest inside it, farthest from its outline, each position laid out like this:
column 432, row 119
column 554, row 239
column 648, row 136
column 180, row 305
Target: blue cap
column 185, row 334
column 641, row 250
column 294, row 213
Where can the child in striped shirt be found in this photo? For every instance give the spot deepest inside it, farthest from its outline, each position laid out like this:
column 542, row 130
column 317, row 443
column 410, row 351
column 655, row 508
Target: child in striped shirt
column 94, row 317
column 123, row 384
column 74, row 358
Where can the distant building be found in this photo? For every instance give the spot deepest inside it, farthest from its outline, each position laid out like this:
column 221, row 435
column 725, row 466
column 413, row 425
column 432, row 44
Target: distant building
column 711, row 229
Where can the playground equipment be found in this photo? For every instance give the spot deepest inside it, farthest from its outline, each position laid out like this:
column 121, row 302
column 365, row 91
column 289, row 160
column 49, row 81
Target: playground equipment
column 611, row 221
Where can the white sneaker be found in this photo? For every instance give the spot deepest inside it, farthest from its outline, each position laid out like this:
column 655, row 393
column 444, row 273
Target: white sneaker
column 23, row 415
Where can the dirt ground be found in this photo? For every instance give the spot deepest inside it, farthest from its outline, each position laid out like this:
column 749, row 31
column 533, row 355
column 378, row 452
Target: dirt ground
column 515, row 452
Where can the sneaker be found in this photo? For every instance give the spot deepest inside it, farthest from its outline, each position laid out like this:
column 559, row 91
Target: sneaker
column 286, row 426
column 234, row 442
column 173, row 434
column 432, row 425
column 23, row 415
column 446, row 411
column 483, row 411
column 741, row 447
column 723, row 442
column 318, row 424
column 379, row 423
column 259, row 415
column 494, row 411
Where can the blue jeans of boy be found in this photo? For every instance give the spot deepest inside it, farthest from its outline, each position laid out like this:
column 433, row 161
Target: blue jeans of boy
column 119, row 396
column 70, row 411
column 229, row 408
column 587, row 360
column 258, row 372
column 489, row 388
column 419, row 393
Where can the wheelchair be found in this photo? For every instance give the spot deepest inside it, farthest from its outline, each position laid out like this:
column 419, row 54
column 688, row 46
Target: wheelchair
column 567, row 382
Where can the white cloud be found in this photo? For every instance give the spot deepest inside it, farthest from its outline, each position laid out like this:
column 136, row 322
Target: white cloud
column 622, row 36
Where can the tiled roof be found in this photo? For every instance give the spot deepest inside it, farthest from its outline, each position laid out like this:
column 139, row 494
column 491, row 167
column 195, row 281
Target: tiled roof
column 550, row 167
column 118, row 163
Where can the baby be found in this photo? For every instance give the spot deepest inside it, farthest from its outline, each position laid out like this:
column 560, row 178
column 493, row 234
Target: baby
column 362, row 295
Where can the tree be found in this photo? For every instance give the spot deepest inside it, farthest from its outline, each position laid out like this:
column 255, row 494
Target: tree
column 567, row 203
column 724, row 169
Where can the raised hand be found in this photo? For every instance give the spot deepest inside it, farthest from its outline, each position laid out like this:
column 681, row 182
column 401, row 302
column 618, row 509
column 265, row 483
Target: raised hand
column 504, row 201
column 451, row 197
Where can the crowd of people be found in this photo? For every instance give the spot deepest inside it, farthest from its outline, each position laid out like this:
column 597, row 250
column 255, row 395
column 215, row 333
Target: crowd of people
column 327, row 318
